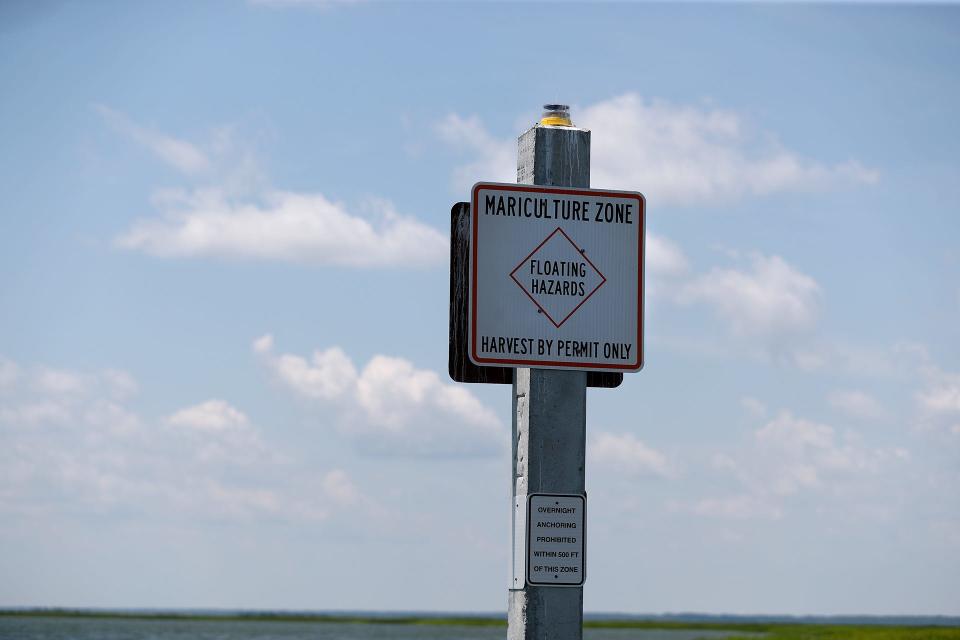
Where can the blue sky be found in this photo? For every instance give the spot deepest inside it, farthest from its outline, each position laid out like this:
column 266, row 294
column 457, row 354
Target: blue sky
column 223, row 285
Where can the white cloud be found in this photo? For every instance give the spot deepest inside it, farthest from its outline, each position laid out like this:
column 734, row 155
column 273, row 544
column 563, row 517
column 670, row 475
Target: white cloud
column 9, row 372
column 789, row 456
column 743, row 506
column 770, row 299
column 179, row 154
column 59, row 381
column 496, row 160
column 238, row 216
column 674, row 154
column 112, row 417
column 287, row 227
column 67, row 382
column 942, row 398
column 627, row 454
column 212, row 415
column 56, row 396
column 34, row 413
column 799, row 454
column 328, row 375
column 120, row 383
column 663, row 257
column 338, row 487
column 850, row 358
column 857, row 404
column 390, row 407
column 70, row 449
column 939, row 402
column 684, row 154
column 753, row 406
column 263, row 344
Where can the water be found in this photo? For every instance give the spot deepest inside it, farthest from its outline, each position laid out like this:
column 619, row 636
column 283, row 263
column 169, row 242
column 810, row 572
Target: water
column 118, row 629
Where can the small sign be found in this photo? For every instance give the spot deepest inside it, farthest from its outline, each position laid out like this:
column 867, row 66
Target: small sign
column 556, row 277
column 556, row 539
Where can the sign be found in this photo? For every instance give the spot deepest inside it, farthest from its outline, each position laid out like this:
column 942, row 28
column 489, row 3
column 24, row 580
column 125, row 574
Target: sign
column 556, row 539
column 459, row 366
column 556, row 277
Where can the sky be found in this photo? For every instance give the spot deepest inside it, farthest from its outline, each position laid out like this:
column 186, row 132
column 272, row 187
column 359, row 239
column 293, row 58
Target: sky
column 224, row 286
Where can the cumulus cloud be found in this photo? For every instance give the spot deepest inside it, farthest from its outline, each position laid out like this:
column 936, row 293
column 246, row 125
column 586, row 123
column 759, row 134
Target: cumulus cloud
column 111, row 418
column 339, row 487
column 687, row 154
column 789, row 456
column 737, row 507
column 770, row 298
column 628, row 454
column 850, row 358
column 231, row 212
column 59, row 381
column 83, row 449
column 34, row 413
column 284, row 226
column 9, row 372
column 67, row 382
column 327, row 375
column 856, row 404
column 179, row 154
column 664, row 257
column 389, row 407
column 941, row 398
column 753, row 406
column 938, row 403
column 675, row 154
column 212, row 415
column 495, row 160
column 120, row 383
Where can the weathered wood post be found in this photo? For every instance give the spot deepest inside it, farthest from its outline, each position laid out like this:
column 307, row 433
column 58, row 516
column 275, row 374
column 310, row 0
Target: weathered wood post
column 549, row 409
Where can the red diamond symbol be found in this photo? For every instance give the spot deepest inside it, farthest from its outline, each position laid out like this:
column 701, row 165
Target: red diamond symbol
column 558, row 277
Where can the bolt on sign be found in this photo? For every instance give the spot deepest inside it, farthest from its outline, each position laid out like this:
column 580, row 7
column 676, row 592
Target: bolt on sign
column 556, row 277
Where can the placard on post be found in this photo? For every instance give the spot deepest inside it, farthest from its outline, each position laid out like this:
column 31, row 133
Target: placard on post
column 555, row 534
column 556, row 277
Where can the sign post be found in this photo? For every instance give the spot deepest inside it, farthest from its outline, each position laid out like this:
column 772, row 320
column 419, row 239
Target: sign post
column 546, row 293
column 549, row 415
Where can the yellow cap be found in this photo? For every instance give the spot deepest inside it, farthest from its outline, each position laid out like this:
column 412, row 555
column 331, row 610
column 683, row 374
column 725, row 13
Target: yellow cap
column 556, row 115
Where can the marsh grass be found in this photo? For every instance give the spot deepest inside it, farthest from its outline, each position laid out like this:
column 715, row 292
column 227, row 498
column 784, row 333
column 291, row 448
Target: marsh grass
column 749, row 630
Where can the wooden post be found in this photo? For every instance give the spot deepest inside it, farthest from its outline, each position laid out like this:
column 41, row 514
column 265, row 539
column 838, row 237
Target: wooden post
column 549, row 412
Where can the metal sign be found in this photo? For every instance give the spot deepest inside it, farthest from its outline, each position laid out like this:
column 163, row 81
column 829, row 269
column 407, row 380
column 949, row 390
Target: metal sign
column 556, row 277
column 556, row 535
column 459, row 366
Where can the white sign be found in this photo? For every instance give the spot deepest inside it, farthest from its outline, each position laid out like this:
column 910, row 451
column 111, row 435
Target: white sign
column 555, row 539
column 556, row 277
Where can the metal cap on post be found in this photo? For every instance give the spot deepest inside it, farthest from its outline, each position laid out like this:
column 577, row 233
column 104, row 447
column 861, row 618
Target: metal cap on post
column 549, row 406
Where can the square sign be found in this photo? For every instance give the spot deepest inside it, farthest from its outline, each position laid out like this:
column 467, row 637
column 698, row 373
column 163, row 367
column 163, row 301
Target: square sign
column 556, row 539
column 556, row 277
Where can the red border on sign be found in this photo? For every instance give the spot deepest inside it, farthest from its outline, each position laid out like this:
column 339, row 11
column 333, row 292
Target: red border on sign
column 474, row 204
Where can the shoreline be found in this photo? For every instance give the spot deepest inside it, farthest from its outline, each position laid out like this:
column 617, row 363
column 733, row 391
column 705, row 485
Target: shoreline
column 760, row 624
